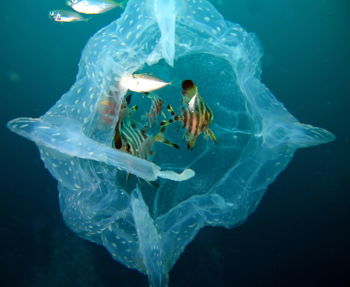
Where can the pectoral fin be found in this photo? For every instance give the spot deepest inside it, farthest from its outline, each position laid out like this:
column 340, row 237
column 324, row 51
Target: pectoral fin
column 160, row 138
column 210, row 133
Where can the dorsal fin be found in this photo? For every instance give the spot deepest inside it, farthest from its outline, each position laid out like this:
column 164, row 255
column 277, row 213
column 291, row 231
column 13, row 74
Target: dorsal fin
column 128, row 98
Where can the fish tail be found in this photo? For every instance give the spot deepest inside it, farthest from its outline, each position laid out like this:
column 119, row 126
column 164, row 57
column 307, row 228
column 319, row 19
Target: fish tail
column 83, row 19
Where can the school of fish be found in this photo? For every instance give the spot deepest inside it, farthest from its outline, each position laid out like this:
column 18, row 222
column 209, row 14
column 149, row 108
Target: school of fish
column 133, row 136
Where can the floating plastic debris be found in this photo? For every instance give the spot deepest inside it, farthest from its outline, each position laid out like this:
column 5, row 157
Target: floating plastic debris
column 147, row 227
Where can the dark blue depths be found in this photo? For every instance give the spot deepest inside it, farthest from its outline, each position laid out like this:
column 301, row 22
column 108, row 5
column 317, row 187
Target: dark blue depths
column 298, row 234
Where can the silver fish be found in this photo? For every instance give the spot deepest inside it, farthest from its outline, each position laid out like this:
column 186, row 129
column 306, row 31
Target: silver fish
column 65, row 16
column 142, row 83
column 94, row 6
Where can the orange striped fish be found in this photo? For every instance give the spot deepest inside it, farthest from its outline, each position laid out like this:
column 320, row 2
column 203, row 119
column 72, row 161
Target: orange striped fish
column 196, row 115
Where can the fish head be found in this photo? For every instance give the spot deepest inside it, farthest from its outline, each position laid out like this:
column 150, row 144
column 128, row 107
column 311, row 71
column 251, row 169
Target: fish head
column 189, row 90
column 54, row 15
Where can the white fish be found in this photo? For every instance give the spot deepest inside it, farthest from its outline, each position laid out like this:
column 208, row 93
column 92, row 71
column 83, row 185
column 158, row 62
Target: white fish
column 65, row 16
column 142, row 83
column 93, row 6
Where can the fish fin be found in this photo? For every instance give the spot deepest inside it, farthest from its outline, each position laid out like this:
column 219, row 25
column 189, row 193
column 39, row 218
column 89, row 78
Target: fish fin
column 164, row 124
column 210, row 133
column 170, row 110
column 152, row 184
column 192, row 103
column 191, row 143
column 190, row 139
column 128, row 98
column 117, row 139
column 160, row 138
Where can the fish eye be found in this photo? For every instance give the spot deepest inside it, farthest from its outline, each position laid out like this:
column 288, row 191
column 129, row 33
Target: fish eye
column 52, row 13
column 74, row 1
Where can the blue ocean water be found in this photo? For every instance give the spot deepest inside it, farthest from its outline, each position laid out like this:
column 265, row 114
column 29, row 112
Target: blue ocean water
column 298, row 234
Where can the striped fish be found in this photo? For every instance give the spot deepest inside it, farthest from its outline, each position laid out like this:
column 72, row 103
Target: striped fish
column 132, row 139
column 155, row 109
column 196, row 115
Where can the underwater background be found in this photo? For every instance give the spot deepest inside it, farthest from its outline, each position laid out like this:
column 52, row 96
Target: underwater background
column 300, row 233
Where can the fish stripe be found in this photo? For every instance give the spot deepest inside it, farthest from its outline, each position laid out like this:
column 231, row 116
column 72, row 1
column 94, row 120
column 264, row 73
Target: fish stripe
column 189, row 119
column 137, row 138
column 202, row 122
column 140, row 136
column 131, row 137
column 195, row 123
column 185, row 119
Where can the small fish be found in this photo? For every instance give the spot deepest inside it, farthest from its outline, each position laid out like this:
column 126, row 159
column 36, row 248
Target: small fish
column 196, row 115
column 94, row 6
column 142, row 83
column 132, row 139
column 155, row 109
column 65, row 16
